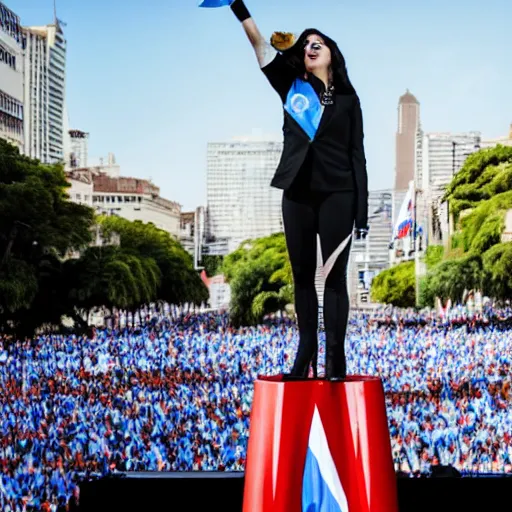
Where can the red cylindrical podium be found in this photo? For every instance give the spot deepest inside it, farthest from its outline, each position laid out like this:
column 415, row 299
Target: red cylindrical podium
column 314, row 440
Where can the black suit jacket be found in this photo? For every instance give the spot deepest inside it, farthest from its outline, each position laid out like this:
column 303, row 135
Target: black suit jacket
column 335, row 157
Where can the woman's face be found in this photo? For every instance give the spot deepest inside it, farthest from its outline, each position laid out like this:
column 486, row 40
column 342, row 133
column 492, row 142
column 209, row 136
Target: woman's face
column 317, row 54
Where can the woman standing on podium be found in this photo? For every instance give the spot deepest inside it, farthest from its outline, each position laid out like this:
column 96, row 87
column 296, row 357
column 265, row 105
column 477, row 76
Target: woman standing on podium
column 323, row 176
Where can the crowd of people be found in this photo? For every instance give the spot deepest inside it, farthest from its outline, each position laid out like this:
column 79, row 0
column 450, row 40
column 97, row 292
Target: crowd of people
column 170, row 390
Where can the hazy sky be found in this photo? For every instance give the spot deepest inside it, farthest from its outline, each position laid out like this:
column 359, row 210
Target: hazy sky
column 154, row 81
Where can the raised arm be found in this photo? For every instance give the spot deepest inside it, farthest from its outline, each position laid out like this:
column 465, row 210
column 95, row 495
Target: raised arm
column 263, row 50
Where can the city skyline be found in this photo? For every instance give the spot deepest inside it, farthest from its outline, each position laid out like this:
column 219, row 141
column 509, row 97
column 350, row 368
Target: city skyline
column 161, row 131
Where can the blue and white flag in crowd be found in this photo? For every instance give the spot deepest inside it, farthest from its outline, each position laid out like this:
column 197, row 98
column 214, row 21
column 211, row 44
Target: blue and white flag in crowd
column 215, row 3
column 321, row 486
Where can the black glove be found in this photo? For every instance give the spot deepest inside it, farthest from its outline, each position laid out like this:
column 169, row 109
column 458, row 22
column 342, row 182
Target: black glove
column 361, row 234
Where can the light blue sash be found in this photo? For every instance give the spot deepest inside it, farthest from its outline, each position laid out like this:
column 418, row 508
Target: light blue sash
column 304, row 106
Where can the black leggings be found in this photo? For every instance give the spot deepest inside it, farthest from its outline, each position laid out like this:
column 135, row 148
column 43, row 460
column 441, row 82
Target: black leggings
column 331, row 215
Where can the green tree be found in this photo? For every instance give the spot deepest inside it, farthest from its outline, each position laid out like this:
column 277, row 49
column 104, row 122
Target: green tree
column 483, row 227
column 212, row 264
column 38, row 227
column 485, row 174
column 497, row 263
column 395, row 286
column 451, row 279
column 260, row 276
column 111, row 277
column 48, row 267
column 434, row 255
column 179, row 282
column 479, row 197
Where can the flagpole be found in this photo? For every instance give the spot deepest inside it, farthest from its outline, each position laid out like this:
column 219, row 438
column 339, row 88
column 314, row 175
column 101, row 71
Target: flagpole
column 413, row 200
column 417, row 263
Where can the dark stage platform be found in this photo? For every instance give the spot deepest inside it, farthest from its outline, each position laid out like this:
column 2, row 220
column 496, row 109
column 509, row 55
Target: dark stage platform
column 201, row 491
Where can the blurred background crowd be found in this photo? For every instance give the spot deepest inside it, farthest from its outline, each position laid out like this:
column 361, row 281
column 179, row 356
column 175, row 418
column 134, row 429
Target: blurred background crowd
column 168, row 390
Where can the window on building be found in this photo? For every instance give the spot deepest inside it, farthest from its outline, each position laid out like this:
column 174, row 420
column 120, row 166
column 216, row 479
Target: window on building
column 78, row 197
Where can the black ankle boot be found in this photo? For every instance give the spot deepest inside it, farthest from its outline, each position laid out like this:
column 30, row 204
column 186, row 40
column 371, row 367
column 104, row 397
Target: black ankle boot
column 335, row 364
column 302, row 364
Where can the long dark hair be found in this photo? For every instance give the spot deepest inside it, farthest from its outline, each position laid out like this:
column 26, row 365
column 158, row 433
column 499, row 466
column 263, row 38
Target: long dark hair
column 295, row 59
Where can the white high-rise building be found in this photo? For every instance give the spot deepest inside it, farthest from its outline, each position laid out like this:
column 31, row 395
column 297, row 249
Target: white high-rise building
column 78, row 142
column 45, row 92
column 370, row 256
column 11, row 77
column 241, row 204
column 442, row 156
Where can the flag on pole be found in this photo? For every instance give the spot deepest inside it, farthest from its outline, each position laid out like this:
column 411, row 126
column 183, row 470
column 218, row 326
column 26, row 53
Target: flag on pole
column 405, row 219
column 215, row 3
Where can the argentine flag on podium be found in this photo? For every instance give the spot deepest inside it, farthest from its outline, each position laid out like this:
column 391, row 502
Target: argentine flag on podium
column 321, row 486
column 215, row 3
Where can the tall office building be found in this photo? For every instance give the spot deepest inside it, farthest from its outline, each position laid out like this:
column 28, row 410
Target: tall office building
column 442, row 156
column 240, row 202
column 406, row 147
column 11, row 77
column 408, row 126
column 45, row 92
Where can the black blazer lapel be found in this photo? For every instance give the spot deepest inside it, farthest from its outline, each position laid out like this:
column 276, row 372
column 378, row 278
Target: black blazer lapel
column 326, row 118
column 298, row 128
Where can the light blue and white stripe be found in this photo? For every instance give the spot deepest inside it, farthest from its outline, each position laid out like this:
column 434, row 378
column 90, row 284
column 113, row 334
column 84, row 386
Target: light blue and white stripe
column 321, row 487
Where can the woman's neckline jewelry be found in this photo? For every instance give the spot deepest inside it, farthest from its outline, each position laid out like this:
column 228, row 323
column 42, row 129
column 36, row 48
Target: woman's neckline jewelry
column 327, row 96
